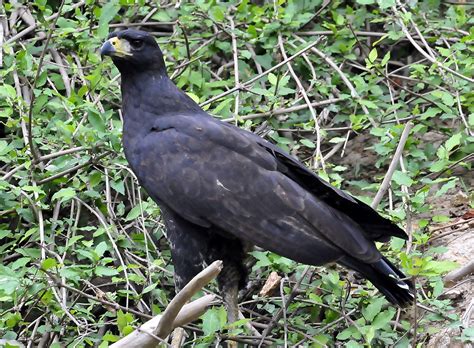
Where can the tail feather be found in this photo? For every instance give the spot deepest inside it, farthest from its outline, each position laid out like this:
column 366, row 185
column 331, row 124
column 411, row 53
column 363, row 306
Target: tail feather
column 385, row 277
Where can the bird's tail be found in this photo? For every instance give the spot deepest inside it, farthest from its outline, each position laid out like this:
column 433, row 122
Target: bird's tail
column 386, row 277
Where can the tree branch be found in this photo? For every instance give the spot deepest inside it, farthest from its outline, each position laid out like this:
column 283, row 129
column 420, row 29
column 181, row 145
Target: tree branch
column 393, row 165
column 176, row 314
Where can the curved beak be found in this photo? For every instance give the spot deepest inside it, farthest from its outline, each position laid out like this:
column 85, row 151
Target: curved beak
column 107, row 49
column 114, row 47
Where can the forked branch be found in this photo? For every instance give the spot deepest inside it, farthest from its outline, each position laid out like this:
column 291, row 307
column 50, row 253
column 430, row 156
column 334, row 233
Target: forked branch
column 177, row 313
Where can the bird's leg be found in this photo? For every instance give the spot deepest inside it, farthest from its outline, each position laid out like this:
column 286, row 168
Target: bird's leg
column 228, row 281
column 230, row 295
column 231, row 301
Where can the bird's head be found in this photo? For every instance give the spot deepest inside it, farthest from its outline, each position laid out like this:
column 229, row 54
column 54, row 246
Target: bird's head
column 134, row 51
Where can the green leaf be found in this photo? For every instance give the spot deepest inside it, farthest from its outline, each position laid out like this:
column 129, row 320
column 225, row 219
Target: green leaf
column 123, row 320
column 193, row 96
column 8, row 281
column 48, row 263
column 20, row 263
column 222, row 105
column 383, row 318
column 453, row 141
column 102, row 271
column 118, row 186
column 370, row 334
column 385, row 59
column 107, row 13
column 213, row 320
column 216, row 13
column 149, row 288
column 402, row 178
column 108, row 337
column 345, row 334
column 308, row 143
column 7, row 91
column 272, row 79
column 366, row 2
column 349, row 332
column 447, row 186
column 101, row 248
column 438, row 166
column 368, row 103
column 64, row 194
column 373, row 308
column 353, row 344
column 373, row 55
column 445, row 97
column 440, row 267
column 262, row 257
column 430, row 112
column 386, row 3
column 127, row 330
column 337, row 140
column 96, row 121
column 136, row 211
column 262, row 91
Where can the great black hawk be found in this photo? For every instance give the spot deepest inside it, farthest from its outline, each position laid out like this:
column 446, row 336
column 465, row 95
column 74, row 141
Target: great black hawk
column 221, row 188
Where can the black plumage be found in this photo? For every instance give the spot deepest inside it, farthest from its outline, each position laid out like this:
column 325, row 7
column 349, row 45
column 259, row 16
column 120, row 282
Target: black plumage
column 222, row 189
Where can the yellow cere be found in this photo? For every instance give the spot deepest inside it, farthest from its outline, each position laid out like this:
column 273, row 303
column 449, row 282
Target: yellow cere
column 122, row 47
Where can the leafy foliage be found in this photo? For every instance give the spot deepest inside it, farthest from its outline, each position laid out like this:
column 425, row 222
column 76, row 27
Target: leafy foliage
column 72, row 213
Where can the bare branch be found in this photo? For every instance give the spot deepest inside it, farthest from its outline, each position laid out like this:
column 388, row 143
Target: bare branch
column 343, row 76
column 47, row 19
column 259, row 76
column 145, row 336
column 319, row 157
column 393, row 165
column 423, row 52
column 459, row 273
column 196, row 284
column 176, row 314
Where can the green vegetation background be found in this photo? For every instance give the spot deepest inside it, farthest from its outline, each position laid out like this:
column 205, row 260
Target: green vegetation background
column 71, row 211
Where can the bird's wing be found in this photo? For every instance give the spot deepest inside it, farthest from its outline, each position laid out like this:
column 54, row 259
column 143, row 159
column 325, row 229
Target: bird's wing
column 214, row 174
column 375, row 226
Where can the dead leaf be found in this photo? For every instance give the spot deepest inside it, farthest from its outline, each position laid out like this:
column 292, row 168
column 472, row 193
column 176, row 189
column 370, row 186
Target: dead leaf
column 271, row 284
column 468, row 215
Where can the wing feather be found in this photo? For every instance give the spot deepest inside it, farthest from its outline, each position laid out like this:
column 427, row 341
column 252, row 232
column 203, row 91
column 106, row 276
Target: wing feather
column 223, row 178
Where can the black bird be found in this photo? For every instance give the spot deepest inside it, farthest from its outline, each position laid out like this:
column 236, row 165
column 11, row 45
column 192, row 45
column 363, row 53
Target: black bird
column 221, row 188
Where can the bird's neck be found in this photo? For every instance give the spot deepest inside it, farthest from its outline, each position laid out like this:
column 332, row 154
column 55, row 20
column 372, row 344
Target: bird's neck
column 153, row 94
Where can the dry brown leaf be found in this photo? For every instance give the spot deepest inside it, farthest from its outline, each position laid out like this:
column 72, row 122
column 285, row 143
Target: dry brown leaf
column 271, row 284
column 468, row 215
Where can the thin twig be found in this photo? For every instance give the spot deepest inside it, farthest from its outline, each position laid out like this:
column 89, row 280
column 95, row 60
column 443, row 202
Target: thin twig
column 35, row 81
column 279, row 314
column 422, row 51
column 259, row 76
column 93, row 298
column 284, row 111
column 343, row 76
column 47, row 19
column 236, row 67
column 319, row 156
column 362, row 33
column 393, row 165
column 73, row 169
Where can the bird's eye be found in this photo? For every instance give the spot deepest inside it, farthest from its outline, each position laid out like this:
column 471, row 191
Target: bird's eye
column 136, row 44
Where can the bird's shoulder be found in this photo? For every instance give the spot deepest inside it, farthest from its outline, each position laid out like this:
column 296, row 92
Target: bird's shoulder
column 204, row 133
